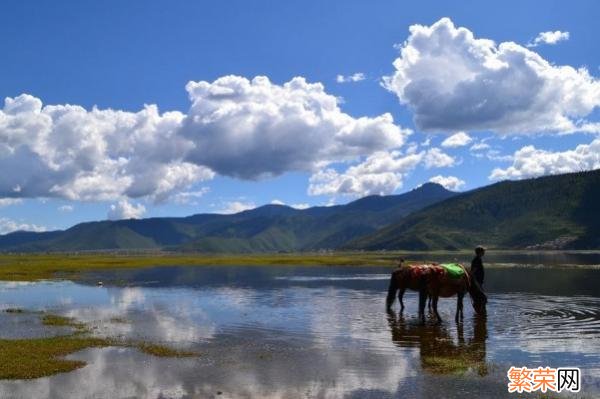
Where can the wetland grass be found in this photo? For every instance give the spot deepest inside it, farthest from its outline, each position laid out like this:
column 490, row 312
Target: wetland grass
column 61, row 321
column 457, row 364
column 33, row 267
column 163, row 351
column 39, row 357
column 30, row 358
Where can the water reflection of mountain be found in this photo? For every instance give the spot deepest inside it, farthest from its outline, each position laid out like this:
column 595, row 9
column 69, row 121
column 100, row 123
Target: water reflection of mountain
column 439, row 352
column 565, row 281
column 532, row 258
column 256, row 277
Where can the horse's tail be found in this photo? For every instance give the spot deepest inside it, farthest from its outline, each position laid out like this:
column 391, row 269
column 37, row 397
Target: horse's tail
column 393, row 288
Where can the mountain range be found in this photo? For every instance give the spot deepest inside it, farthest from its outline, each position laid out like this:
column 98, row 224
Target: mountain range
column 269, row 228
column 552, row 212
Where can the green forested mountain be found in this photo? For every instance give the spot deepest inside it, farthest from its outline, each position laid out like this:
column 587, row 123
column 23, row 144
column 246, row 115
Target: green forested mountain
column 549, row 212
column 265, row 229
column 560, row 211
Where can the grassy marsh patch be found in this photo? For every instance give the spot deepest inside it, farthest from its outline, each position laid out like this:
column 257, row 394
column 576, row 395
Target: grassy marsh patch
column 39, row 357
column 458, row 363
column 163, row 351
column 61, row 321
column 30, row 358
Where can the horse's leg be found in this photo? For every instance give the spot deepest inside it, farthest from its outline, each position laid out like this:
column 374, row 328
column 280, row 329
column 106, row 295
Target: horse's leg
column 400, row 296
column 429, row 304
column 389, row 301
column 422, row 300
column 460, row 333
column 459, row 306
column 435, row 309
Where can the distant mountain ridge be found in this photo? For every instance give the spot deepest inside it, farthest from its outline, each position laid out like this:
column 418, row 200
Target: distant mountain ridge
column 268, row 228
column 551, row 212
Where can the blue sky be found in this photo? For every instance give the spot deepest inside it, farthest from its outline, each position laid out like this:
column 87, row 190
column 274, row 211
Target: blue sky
column 122, row 55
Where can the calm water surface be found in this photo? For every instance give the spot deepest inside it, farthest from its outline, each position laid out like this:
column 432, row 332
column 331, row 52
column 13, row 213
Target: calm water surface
column 293, row 332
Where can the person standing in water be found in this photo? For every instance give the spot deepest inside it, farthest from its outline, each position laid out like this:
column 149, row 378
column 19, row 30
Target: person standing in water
column 477, row 265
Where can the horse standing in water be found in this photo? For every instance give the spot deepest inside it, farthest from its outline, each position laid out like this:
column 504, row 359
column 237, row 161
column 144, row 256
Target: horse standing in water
column 435, row 281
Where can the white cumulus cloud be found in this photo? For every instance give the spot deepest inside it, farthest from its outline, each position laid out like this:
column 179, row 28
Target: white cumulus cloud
column 381, row 173
column 66, row 208
column 459, row 139
column 355, row 77
column 232, row 207
column 436, row 158
column 251, row 129
column 480, row 146
column 237, row 127
column 295, row 206
column 9, row 226
column 125, row 210
column 69, row 152
column 532, row 162
column 449, row 182
column 9, row 201
column 452, row 81
column 550, row 37
column 302, row 205
column 190, row 197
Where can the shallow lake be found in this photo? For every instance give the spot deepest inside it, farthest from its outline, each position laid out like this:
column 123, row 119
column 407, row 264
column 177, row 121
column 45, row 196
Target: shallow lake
column 288, row 332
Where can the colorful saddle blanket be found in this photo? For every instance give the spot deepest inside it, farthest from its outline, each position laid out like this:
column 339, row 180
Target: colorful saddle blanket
column 417, row 271
column 452, row 270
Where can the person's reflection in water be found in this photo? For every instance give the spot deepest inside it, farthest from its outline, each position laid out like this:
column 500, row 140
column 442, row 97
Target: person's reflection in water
column 439, row 353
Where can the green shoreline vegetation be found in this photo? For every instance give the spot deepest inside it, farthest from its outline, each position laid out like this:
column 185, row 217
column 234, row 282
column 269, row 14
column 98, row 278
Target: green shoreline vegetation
column 29, row 358
column 33, row 267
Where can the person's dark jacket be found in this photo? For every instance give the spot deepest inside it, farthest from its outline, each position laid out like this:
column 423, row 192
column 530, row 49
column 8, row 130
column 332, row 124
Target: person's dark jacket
column 477, row 269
